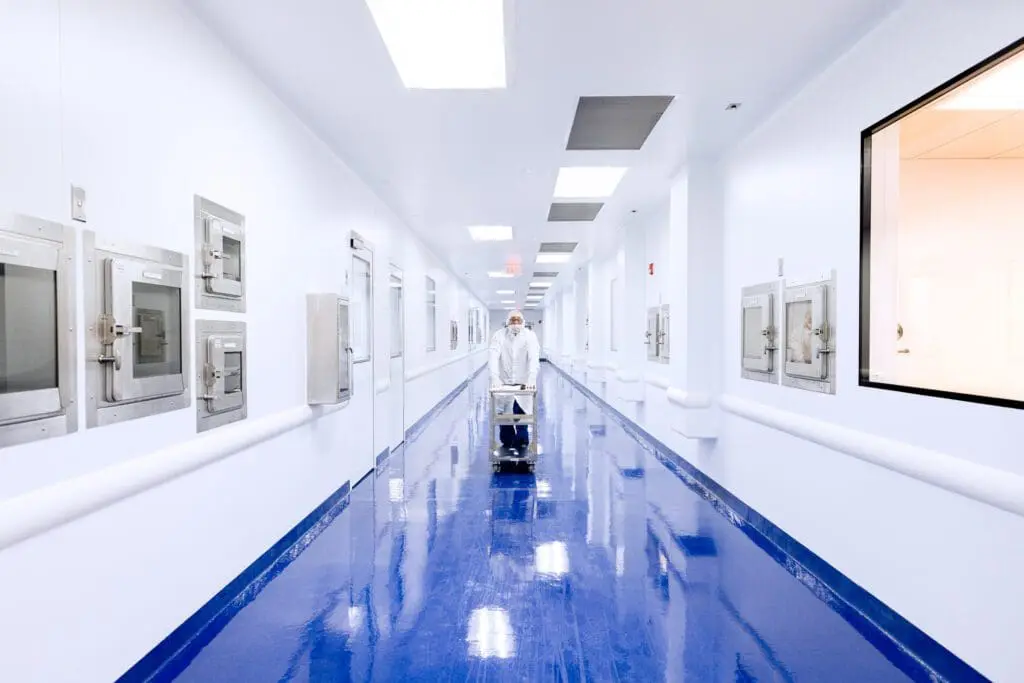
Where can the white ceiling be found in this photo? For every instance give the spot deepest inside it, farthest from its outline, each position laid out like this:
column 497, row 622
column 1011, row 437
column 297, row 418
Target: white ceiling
column 991, row 126
column 446, row 159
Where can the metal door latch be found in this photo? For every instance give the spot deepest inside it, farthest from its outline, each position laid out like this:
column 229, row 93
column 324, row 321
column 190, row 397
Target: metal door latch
column 769, row 344
column 111, row 330
column 821, row 333
column 113, row 358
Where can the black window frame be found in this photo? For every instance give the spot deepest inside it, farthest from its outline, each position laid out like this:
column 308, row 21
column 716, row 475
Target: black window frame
column 864, row 370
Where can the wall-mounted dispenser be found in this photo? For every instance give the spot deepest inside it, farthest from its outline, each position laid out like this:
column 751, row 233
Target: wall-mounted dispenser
column 759, row 333
column 136, row 308
column 809, row 334
column 221, row 373
column 328, row 350
column 220, row 257
column 38, row 358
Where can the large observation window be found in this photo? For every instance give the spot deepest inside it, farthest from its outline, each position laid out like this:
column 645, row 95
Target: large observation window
column 942, row 240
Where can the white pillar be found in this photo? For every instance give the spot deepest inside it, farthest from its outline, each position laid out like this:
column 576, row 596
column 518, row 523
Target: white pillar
column 568, row 331
column 581, row 299
column 696, row 316
column 632, row 351
column 598, row 300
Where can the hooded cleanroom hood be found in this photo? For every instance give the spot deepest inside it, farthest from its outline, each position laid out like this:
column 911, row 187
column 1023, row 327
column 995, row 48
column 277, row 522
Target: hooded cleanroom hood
column 513, row 314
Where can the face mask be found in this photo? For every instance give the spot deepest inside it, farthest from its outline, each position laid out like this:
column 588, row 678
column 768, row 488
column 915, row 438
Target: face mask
column 516, row 328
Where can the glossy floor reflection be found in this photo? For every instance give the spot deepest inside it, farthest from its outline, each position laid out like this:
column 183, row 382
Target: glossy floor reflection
column 601, row 567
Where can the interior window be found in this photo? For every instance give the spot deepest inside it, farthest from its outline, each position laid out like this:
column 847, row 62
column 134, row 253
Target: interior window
column 362, row 300
column 944, row 263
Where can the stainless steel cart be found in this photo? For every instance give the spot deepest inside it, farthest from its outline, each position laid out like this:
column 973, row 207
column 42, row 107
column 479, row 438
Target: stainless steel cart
column 499, row 454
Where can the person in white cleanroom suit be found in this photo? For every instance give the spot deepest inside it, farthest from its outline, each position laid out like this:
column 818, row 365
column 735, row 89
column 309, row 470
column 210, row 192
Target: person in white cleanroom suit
column 515, row 359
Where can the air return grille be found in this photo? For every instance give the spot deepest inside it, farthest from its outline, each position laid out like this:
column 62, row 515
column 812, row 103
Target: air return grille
column 608, row 123
column 574, row 211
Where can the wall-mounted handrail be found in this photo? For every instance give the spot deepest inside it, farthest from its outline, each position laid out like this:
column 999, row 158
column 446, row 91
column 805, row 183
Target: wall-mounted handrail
column 995, row 487
column 41, row 510
column 420, row 372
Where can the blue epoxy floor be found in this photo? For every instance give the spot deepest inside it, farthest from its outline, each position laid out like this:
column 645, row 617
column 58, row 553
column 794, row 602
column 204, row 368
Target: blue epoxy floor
column 601, row 567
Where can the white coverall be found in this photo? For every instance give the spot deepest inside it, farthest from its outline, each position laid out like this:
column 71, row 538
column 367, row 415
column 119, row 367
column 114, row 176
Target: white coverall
column 515, row 359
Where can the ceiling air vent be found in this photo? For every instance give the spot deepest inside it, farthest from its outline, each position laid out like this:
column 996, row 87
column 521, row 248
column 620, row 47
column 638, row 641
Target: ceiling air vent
column 557, row 247
column 545, row 273
column 574, row 211
column 612, row 123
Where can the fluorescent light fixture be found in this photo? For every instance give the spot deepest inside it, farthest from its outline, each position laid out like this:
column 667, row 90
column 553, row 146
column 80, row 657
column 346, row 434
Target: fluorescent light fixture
column 505, row 291
column 999, row 89
column 490, row 233
column 508, row 302
column 444, row 44
column 499, row 274
column 540, row 285
column 553, row 258
column 588, row 182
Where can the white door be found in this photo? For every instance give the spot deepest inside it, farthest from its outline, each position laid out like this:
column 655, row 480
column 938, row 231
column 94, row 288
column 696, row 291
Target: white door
column 397, row 387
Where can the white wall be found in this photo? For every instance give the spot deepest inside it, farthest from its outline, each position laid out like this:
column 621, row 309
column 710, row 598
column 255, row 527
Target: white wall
column 949, row 564
column 141, row 106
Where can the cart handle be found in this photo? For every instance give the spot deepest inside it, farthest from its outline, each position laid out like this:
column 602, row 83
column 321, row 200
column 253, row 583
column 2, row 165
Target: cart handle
column 518, row 389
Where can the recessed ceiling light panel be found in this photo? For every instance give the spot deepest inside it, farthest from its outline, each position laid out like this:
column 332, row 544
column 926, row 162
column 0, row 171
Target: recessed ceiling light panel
column 588, row 182
column 490, row 233
column 499, row 274
column 444, row 44
column 540, row 285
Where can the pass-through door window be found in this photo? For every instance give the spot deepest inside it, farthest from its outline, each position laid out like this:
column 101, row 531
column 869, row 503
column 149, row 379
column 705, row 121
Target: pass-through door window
column 157, row 348
column 28, row 329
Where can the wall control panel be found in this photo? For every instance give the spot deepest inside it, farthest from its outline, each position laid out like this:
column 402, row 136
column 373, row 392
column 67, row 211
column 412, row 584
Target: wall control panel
column 136, row 307
column 220, row 257
column 221, row 373
column 328, row 350
column 38, row 357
